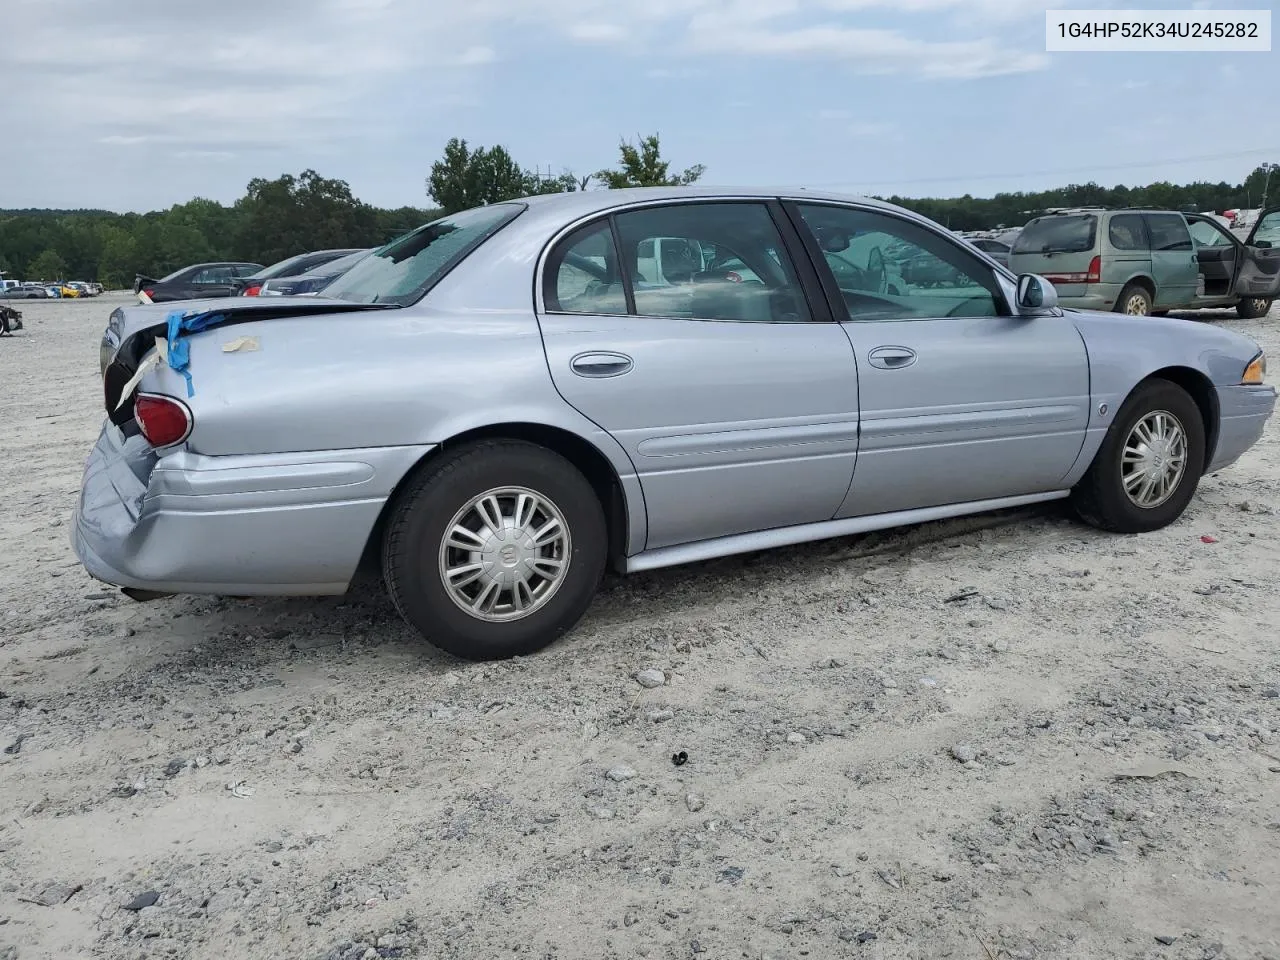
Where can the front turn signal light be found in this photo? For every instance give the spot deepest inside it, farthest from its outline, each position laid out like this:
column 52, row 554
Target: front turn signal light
column 1256, row 371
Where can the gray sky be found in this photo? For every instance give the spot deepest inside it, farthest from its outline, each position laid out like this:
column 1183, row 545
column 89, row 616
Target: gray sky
column 139, row 104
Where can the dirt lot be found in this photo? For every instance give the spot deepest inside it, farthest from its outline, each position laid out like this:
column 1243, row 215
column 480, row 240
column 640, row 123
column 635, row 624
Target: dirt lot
column 899, row 746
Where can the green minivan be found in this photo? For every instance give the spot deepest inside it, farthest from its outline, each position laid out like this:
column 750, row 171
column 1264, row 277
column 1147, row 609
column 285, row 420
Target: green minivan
column 1151, row 261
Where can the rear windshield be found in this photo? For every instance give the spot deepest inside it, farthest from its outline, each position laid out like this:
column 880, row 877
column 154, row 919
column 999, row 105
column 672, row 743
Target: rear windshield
column 1070, row 234
column 406, row 268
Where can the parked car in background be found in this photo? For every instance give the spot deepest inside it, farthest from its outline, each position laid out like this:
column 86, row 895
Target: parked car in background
column 314, row 280
column 514, row 410
column 295, row 266
column 196, row 282
column 26, row 291
column 995, row 249
column 1146, row 261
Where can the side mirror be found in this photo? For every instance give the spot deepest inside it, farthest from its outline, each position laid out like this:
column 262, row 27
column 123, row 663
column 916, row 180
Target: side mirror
column 1262, row 244
column 1036, row 294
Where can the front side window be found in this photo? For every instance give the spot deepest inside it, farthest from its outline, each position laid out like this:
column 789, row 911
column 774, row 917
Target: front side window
column 1168, row 232
column 888, row 268
column 1206, row 234
column 405, row 269
column 710, row 261
column 1126, row 232
column 1268, row 229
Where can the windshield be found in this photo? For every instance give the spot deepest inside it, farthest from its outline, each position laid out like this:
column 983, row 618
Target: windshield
column 1074, row 234
column 405, row 269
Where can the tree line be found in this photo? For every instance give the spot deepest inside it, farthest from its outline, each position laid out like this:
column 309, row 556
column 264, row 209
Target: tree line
column 293, row 214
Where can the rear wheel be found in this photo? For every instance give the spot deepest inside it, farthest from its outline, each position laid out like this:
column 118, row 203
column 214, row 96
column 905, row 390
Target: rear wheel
column 1253, row 308
column 495, row 550
column 1134, row 300
column 1146, row 471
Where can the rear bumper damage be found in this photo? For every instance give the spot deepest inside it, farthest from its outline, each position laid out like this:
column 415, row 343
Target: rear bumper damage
column 262, row 524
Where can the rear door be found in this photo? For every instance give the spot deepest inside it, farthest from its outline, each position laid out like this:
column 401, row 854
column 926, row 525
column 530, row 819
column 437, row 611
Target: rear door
column 1259, row 276
column 736, row 399
column 960, row 400
column 1174, row 266
column 1060, row 248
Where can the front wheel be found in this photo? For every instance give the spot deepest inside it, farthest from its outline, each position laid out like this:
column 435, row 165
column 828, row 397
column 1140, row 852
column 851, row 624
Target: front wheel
column 1150, row 462
column 495, row 550
column 1253, row 308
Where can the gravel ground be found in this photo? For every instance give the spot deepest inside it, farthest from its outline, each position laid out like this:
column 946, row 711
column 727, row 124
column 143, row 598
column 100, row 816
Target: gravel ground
column 1007, row 737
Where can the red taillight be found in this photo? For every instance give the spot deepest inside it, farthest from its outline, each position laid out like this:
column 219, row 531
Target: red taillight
column 252, row 291
column 163, row 420
column 735, row 277
column 150, row 293
column 1095, row 271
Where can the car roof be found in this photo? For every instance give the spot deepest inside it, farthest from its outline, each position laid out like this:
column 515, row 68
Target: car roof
column 589, row 201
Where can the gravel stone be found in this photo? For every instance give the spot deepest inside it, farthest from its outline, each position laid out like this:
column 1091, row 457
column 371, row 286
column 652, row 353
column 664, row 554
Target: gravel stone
column 651, row 678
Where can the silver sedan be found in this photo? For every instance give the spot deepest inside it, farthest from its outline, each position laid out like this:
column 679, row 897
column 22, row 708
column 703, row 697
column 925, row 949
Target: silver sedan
column 497, row 406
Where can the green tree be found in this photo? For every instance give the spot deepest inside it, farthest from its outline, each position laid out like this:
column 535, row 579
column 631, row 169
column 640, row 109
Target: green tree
column 289, row 215
column 643, row 166
column 464, row 178
column 47, row 266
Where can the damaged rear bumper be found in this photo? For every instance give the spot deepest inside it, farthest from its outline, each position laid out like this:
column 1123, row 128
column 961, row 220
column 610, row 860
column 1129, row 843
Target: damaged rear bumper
column 261, row 524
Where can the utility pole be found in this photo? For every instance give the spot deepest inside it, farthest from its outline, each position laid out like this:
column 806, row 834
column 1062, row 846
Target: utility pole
column 1266, row 184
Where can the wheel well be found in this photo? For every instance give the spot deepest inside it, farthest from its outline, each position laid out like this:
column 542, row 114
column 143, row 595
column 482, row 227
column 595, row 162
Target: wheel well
column 591, row 462
column 1145, row 282
column 1204, row 394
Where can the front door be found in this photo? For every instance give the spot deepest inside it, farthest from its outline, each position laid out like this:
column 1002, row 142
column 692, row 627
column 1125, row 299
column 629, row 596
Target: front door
column 213, row 282
column 1218, row 253
column 1174, row 266
column 736, row 402
column 960, row 400
column 1259, row 276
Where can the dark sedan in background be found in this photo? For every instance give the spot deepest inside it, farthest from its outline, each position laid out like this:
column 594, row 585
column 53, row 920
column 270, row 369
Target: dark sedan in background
column 251, row 286
column 315, row 280
column 196, row 282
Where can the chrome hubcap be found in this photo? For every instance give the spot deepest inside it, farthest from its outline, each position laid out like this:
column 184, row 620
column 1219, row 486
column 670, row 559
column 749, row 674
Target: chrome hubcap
column 1136, row 306
column 1260, row 307
column 505, row 554
column 1155, row 458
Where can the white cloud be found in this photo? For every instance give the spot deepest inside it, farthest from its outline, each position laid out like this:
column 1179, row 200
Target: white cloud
column 875, row 131
column 476, row 56
column 597, row 32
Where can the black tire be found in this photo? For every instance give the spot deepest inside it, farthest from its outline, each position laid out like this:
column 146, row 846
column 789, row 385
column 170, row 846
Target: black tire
column 1135, row 292
column 1100, row 498
column 1253, row 308
column 422, row 513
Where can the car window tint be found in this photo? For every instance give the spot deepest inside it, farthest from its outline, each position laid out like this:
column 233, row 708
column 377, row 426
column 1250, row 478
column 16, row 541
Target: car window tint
column 582, row 273
column 888, row 268
column 1168, row 232
column 213, row 275
column 710, row 261
column 1075, row 233
column 1205, row 234
column 1126, row 233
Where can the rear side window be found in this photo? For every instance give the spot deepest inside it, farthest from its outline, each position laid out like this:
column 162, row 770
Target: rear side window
column 1126, row 232
column 695, row 261
column 584, row 274
column 404, row 270
column 1065, row 234
column 1168, row 232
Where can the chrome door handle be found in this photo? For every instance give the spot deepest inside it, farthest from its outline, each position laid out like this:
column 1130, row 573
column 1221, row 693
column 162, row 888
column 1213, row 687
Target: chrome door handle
column 891, row 358
column 601, row 364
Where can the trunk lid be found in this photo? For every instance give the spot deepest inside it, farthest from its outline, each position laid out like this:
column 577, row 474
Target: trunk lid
column 136, row 329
